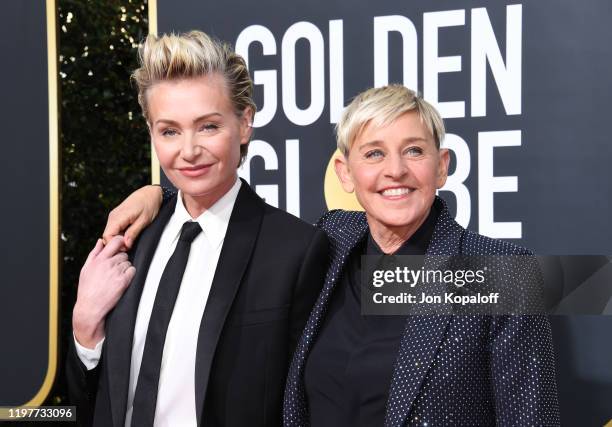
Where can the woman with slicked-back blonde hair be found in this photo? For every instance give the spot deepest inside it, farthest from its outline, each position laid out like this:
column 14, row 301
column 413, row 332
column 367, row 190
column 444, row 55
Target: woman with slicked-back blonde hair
column 196, row 324
column 190, row 55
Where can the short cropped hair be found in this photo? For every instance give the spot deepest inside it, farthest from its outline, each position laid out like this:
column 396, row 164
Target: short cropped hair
column 191, row 55
column 381, row 106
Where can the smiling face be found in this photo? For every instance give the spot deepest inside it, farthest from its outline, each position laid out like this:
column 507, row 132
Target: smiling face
column 197, row 137
column 394, row 171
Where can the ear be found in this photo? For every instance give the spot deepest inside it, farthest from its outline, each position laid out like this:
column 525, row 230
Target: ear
column 343, row 172
column 443, row 161
column 246, row 125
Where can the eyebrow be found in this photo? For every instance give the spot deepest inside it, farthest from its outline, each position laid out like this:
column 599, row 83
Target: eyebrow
column 379, row 142
column 196, row 120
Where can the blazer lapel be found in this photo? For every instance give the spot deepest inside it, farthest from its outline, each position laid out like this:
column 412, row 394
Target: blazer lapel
column 343, row 241
column 121, row 321
column 423, row 333
column 345, row 229
column 238, row 245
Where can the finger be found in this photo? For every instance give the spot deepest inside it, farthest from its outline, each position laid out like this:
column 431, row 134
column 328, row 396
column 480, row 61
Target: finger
column 113, row 247
column 123, row 266
column 119, row 258
column 94, row 252
column 133, row 231
column 116, row 224
column 127, row 242
column 129, row 274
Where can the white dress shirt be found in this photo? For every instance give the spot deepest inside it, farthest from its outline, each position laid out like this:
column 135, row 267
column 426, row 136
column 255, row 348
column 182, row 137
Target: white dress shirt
column 176, row 404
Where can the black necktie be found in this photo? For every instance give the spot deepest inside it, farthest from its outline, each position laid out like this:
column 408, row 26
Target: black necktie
column 145, row 396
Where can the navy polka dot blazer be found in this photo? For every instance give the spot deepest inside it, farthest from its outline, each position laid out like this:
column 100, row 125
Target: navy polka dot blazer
column 449, row 370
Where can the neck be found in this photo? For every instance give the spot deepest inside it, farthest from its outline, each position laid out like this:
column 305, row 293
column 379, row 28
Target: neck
column 390, row 239
column 196, row 205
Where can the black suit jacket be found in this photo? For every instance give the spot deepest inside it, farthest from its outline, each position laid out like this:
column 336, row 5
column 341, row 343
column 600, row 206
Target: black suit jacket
column 462, row 370
column 269, row 273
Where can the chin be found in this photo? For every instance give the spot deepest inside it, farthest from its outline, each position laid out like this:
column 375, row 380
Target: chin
column 194, row 187
column 402, row 218
column 197, row 192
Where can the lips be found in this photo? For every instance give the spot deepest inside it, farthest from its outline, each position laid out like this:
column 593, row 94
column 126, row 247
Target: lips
column 194, row 171
column 396, row 192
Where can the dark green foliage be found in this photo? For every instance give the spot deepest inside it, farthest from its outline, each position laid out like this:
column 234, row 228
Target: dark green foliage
column 103, row 137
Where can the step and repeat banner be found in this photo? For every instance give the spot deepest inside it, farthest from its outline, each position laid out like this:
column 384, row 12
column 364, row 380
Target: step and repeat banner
column 29, row 215
column 524, row 88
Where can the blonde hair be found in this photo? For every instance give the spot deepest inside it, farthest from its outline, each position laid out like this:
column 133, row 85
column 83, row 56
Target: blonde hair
column 191, row 55
column 381, row 106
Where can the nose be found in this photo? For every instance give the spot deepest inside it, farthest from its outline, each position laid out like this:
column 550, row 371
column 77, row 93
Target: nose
column 395, row 167
column 190, row 149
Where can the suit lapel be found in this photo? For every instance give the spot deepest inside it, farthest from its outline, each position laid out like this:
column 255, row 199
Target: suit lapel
column 121, row 321
column 343, row 240
column 423, row 334
column 238, row 245
column 345, row 229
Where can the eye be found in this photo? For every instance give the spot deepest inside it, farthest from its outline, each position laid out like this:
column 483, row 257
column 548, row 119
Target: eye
column 374, row 154
column 208, row 127
column 414, row 151
column 169, row 132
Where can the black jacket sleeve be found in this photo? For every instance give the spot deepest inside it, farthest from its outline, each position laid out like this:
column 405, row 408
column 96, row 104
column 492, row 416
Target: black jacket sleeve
column 309, row 284
column 82, row 385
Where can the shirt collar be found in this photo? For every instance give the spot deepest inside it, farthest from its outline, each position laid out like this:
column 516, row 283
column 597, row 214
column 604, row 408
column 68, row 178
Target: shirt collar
column 214, row 221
